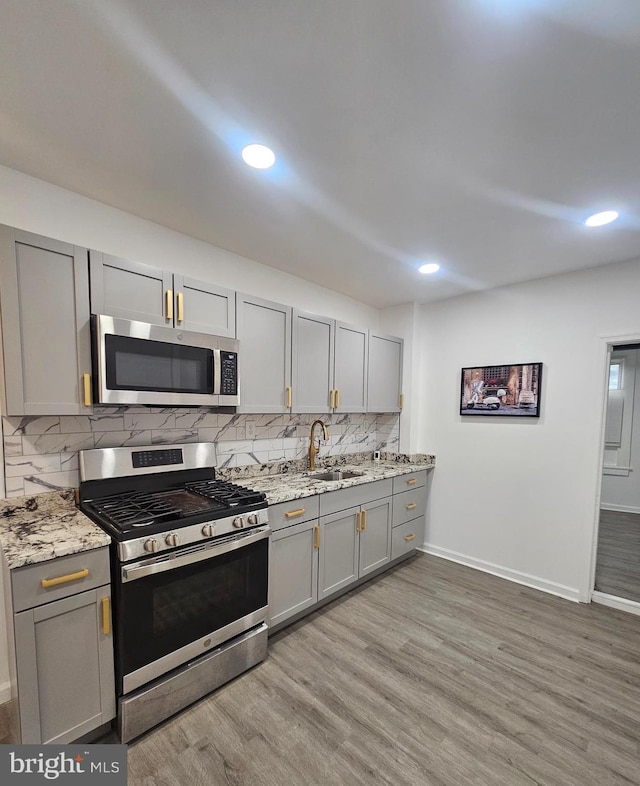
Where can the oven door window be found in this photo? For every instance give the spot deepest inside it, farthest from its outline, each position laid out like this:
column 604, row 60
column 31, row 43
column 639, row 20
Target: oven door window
column 143, row 364
column 163, row 612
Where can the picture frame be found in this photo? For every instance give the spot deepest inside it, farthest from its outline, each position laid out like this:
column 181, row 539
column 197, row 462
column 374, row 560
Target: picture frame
column 505, row 390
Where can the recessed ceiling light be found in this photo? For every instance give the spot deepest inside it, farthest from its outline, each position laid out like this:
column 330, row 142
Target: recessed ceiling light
column 258, row 156
column 600, row 219
column 430, row 267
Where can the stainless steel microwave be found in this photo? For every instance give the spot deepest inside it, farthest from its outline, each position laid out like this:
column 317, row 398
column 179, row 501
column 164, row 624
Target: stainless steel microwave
column 138, row 363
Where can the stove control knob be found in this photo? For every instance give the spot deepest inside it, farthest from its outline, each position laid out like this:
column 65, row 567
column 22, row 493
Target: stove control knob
column 252, row 519
column 208, row 531
column 151, row 544
column 171, row 539
column 238, row 522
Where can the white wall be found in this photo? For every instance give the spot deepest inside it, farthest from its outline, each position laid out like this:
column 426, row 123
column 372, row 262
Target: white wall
column 519, row 497
column 36, row 206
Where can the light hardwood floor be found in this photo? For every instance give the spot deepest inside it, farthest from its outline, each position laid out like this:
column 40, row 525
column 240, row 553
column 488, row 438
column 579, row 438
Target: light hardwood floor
column 618, row 557
column 432, row 674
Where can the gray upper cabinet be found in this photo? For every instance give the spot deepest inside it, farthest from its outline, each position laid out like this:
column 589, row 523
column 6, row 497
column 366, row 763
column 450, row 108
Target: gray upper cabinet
column 264, row 332
column 385, row 373
column 350, row 371
column 312, row 362
column 132, row 290
column 44, row 291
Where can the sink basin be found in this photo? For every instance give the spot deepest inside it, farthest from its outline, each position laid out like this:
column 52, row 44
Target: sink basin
column 335, row 474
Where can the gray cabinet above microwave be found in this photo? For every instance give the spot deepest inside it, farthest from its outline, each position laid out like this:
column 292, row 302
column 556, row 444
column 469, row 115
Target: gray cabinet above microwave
column 135, row 291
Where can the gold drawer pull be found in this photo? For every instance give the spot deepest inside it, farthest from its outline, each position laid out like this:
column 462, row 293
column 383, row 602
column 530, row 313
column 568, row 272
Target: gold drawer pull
column 412, row 481
column 168, row 296
column 81, row 574
column 411, row 506
column 289, row 396
column 291, row 513
column 106, row 616
column 86, row 385
column 410, row 537
column 180, row 298
column 316, row 536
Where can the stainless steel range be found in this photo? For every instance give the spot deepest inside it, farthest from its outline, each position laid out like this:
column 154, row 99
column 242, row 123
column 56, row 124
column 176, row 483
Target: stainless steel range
column 190, row 559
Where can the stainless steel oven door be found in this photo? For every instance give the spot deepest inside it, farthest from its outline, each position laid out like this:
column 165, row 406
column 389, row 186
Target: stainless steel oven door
column 172, row 608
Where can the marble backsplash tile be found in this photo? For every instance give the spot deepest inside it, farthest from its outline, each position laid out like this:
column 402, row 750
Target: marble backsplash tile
column 41, row 453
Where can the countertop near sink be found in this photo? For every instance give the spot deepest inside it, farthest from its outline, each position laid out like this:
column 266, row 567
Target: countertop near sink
column 295, row 485
column 45, row 526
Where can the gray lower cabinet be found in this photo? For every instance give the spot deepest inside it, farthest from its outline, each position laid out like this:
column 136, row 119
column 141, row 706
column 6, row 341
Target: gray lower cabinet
column 293, row 568
column 63, row 648
column 353, row 543
column 44, row 292
column 135, row 291
column 264, row 332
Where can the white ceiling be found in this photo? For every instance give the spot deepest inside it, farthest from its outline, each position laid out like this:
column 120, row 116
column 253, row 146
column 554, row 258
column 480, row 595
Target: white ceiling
column 479, row 133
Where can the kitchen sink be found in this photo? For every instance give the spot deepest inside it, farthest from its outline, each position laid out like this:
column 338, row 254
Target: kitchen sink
column 336, row 474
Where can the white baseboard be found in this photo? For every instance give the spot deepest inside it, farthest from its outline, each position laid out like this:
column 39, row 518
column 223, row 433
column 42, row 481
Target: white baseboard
column 5, row 692
column 569, row 593
column 616, row 603
column 619, row 508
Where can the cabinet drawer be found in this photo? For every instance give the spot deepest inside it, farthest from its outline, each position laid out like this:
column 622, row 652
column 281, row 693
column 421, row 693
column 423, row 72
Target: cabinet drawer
column 407, row 537
column 27, row 582
column 362, row 494
column 409, row 505
column 413, row 481
column 298, row 510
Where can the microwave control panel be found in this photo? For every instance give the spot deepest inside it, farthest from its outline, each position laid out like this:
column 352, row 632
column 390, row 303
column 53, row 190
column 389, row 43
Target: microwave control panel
column 229, row 373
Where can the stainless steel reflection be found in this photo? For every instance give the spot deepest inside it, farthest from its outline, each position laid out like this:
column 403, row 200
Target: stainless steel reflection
column 118, row 462
column 178, row 559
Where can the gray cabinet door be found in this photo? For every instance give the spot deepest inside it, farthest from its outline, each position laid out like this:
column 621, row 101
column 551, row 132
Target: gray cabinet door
column 45, row 325
column 130, row 290
column 203, row 307
column 375, row 536
column 338, row 562
column 351, row 363
column 385, row 373
column 293, row 570
column 264, row 333
column 64, row 655
column 312, row 362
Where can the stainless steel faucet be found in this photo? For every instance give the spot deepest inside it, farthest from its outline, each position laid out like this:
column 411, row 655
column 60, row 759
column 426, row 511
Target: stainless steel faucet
column 313, row 450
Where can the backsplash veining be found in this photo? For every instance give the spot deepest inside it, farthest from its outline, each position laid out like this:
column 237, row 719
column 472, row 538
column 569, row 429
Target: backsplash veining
column 41, row 453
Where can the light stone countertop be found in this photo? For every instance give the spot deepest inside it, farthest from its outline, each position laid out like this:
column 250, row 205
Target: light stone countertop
column 45, row 526
column 296, row 485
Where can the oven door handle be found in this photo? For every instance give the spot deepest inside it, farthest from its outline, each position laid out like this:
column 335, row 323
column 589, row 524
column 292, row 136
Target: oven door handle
column 194, row 554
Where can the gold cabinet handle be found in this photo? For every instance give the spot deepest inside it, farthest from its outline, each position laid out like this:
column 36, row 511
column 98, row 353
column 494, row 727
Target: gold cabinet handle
column 289, row 396
column 411, row 481
column 291, row 513
column 358, row 520
column 364, row 521
column 86, row 385
column 332, row 399
column 316, row 536
column 411, row 505
column 168, row 297
column 410, row 537
column 402, row 401
column 338, row 398
column 180, row 309
column 106, row 616
column 81, row 574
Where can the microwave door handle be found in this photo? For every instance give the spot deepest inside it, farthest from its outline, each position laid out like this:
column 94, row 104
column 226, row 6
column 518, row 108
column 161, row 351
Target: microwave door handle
column 217, row 371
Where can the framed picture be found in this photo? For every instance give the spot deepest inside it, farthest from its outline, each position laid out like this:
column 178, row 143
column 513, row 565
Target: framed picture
column 502, row 391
